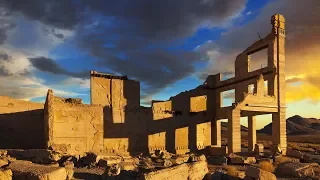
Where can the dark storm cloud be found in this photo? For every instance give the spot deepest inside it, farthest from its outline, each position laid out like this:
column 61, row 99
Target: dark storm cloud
column 5, row 24
column 129, row 27
column 48, row 65
column 58, row 13
column 5, row 57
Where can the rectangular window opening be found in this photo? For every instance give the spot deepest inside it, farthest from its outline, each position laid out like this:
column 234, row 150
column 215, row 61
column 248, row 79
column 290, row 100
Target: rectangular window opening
column 258, row 60
column 228, row 97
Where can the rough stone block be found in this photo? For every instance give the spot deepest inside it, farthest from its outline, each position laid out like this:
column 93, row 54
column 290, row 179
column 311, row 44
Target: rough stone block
column 29, row 170
column 198, row 170
column 218, row 160
column 178, row 172
column 181, row 159
column 242, row 160
column 217, row 151
column 6, row 174
column 294, row 153
column 291, row 169
column 311, row 158
column 258, row 148
column 260, row 174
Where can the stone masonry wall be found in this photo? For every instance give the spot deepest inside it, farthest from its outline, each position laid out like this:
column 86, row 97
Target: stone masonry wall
column 74, row 126
column 21, row 124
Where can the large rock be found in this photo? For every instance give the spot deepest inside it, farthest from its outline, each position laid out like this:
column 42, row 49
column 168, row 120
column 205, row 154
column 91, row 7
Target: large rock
column 195, row 158
column 217, row 151
column 28, row 170
column 294, row 153
column 292, row 169
column 198, row 170
column 192, row 171
column 3, row 162
column 311, row 158
column 259, row 174
column 258, row 148
column 218, row 160
column 41, row 156
column 6, row 174
column 180, row 159
column 276, row 149
column 242, row 160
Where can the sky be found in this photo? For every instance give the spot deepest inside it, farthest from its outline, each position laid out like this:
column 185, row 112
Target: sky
column 170, row 46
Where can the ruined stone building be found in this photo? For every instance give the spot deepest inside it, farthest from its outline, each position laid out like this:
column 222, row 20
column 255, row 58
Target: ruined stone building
column 115, row 121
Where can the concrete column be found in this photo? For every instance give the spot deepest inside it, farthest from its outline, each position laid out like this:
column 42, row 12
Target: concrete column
column 234, row 132
column 279, row 131
column 252, row 136
column 216, row 133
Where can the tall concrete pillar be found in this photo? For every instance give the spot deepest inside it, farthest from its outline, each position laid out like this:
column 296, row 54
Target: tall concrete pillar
column 216, row 133
column 278, row 86
column 234, row 132
column 252, row 136
column 279, row 131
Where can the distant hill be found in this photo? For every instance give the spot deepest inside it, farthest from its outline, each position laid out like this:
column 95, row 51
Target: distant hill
column 297, row 125
column 224, row 127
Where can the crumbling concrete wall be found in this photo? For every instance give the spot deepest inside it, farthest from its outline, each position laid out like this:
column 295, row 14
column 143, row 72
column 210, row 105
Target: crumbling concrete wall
column 21, row 124
column 73, row 126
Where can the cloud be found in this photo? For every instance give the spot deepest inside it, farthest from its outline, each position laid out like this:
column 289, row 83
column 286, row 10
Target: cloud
column 18, row 81
column 6, row 24
column 120, row 33
column 48, row 65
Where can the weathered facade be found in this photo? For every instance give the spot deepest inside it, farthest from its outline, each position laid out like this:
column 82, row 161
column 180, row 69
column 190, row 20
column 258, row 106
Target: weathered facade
column 115, row 121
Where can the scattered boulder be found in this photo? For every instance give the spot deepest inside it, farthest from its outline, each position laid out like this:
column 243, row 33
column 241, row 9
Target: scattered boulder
column 242, row 160
column 292, row 169
column 265, row 160
column 218, row 160
column 258, row 148
column 259, row 174
column 276, row 149
column 311, row 158
column 294, row 153
column 69, row 167
column 3, row 153
column 165, row 155
column 198, row 170
column 41, row 156
column 218, row 175
column 55, row 156
column 195, row 158
column 113, row 170
column 167, row 163
column 192, row 171
column 180, row 159
column 217, row 151
column 6, row 174
column 177, row 172
column 28, row 170
column 3, row 162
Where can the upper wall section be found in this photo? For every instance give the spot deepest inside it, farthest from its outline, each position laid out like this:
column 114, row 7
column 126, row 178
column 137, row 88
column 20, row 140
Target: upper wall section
column 274, row 73
column 73, row 126
column 117, row 92
column 21, row 124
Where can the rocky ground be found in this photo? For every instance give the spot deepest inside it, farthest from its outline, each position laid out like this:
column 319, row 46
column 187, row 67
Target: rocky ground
column 206, row 164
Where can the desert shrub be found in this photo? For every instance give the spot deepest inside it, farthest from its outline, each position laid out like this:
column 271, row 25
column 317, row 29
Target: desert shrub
column 267, row 166
column 231, row 171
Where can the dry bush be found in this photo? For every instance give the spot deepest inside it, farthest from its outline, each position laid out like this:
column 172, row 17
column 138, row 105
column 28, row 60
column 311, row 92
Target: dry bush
column 267, row 166
column 231, row 171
